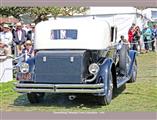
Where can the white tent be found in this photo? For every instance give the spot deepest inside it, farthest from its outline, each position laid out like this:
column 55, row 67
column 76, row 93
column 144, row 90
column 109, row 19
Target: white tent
column 122, row 17
column 151, row 13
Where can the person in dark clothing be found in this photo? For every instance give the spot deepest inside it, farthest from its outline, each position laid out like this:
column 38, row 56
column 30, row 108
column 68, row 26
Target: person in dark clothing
column 136, row 38
column 1, row 27
column 31, row 33
column 12, row 29
column 19, row 37
column 154, row 35
column 147, row 33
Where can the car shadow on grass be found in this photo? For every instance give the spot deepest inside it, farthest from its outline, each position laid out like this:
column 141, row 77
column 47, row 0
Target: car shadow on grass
column 62, row 100
column 118, row 91
column 59, row 100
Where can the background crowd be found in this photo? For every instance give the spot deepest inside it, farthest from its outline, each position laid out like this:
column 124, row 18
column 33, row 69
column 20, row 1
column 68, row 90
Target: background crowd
column 147, row 37
column 17, row 39
column 20, row 38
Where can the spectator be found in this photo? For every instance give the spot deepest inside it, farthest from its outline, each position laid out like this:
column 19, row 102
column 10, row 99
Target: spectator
column 131, row 35
column 154, row 36
column 19, row 37
column 133, row 25
column 146, row 37
column 12, row 29
column 29, row 53
column 123, row 40
column 28, row 48
column 136, row 38
column 6, row 37
column 26, row 27
column 31, row 33
column 1, row 28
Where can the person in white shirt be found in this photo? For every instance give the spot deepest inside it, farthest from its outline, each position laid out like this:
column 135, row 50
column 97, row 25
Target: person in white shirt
column 6, row 37
column 26, row 27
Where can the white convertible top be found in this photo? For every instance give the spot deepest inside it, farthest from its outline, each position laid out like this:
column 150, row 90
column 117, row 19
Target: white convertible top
column 72, row 34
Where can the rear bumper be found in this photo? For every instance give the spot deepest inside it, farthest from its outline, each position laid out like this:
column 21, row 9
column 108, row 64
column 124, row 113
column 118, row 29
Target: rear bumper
column 59, row 88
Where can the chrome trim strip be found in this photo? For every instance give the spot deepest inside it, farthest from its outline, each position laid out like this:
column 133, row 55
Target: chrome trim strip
column 79, row 90
column 79, row 85
column 34, row 85
column 26, row 85
column 28, row 90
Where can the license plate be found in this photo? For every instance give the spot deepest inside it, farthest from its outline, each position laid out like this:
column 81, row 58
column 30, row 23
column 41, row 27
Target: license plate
column 24, row 76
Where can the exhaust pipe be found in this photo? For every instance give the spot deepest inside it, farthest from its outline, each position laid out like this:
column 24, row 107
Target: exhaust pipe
column 72, row 97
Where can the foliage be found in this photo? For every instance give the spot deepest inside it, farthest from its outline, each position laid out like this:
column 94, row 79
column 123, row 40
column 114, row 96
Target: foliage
column 12, row 11
column 40, row 13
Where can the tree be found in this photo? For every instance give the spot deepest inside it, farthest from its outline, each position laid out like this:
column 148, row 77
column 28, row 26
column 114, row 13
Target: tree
column 12, row 11
column 40, row 13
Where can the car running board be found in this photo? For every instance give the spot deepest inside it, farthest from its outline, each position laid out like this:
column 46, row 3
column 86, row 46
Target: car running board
column 122, row 80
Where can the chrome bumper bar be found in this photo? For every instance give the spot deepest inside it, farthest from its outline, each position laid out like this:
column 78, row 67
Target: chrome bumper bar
column 59, row 88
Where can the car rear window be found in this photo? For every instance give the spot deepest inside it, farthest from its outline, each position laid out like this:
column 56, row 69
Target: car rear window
column 64, row 34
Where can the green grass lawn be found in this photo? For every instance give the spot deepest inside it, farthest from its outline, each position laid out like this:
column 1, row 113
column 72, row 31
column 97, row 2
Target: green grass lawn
column 139, row 96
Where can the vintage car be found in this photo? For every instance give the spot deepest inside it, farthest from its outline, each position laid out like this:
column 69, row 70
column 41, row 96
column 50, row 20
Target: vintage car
column 76, row 57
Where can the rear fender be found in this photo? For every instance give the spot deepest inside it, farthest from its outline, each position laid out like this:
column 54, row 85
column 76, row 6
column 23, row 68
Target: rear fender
column 132, row 55
column 103, row 74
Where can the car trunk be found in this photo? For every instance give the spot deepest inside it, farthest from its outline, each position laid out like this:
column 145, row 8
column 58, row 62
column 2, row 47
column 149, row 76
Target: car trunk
column 61, row 66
